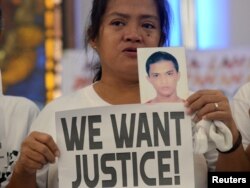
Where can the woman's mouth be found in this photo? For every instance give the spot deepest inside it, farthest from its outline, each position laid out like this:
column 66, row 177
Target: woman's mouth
column 131, row 52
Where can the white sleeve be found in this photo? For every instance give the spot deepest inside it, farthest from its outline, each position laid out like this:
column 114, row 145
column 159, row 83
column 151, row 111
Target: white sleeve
column 18, row 113
column 241, row 112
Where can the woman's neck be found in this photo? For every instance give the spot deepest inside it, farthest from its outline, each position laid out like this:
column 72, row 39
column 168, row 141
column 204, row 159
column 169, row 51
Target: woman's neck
column 118, row 92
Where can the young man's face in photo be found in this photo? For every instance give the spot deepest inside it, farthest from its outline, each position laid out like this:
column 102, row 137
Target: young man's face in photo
column 164, row 77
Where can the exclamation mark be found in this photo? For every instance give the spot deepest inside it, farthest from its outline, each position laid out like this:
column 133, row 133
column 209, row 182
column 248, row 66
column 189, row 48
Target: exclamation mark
column 176, row 168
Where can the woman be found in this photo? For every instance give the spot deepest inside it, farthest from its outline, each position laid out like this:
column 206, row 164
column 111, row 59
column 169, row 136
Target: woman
column 117, row 29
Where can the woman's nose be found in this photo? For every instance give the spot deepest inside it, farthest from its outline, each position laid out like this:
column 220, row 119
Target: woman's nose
column 133, row 34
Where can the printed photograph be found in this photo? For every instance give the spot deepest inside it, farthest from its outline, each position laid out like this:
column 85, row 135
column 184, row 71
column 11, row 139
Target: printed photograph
column 162, row 75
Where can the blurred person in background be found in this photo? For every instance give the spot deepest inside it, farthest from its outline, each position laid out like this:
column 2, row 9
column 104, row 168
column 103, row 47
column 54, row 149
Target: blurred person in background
column 16, row 116
column 241, row 112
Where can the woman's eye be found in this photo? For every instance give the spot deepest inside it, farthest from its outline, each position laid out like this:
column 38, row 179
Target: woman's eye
column 118, row 23
column 148, row 26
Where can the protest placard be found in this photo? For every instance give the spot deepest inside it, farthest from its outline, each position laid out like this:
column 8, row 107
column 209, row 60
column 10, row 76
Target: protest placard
column 137, row 145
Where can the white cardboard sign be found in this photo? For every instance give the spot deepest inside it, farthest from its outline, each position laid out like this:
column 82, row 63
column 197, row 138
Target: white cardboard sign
column 139, row 145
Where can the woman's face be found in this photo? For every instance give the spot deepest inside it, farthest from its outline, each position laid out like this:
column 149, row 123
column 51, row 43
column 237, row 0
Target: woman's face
column 126, row 26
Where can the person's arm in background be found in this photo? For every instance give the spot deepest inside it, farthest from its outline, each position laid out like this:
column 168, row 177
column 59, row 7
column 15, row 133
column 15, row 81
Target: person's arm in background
column 240, row 110
column 237, row 160
column 202, row 103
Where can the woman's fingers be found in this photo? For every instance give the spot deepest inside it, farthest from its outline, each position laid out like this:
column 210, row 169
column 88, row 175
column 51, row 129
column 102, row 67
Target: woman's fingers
column 45, row 145
column 37, row 150
column 209, row 105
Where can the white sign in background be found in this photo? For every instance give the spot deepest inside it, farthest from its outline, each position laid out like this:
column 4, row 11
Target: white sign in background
column 139, row 145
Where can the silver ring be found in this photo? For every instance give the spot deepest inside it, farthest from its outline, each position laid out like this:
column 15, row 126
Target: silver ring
column 216, row 106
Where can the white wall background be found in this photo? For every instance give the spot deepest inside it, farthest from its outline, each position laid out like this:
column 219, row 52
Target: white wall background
column 82, row 9
column 240, row 22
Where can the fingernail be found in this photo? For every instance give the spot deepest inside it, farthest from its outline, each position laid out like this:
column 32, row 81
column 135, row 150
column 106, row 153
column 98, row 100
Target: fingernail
column 188, row 111
column 57, row 153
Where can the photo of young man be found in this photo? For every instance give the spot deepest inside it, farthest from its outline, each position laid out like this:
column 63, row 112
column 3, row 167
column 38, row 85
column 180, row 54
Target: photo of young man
column 163, row 75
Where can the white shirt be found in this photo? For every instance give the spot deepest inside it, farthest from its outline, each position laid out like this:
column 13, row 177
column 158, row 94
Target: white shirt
column 17, row 114
column 87, row 97
column 241, row 112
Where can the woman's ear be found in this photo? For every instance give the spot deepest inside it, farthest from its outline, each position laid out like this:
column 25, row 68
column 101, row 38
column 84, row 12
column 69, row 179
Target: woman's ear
column 93, row 44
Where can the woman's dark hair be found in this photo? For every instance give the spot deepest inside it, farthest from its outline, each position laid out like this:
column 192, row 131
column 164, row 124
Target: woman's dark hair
column 98, row 10
column 161, row 56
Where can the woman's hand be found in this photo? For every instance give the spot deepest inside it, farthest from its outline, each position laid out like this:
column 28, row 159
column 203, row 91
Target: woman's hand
column 37, row 150
column 211, row 105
